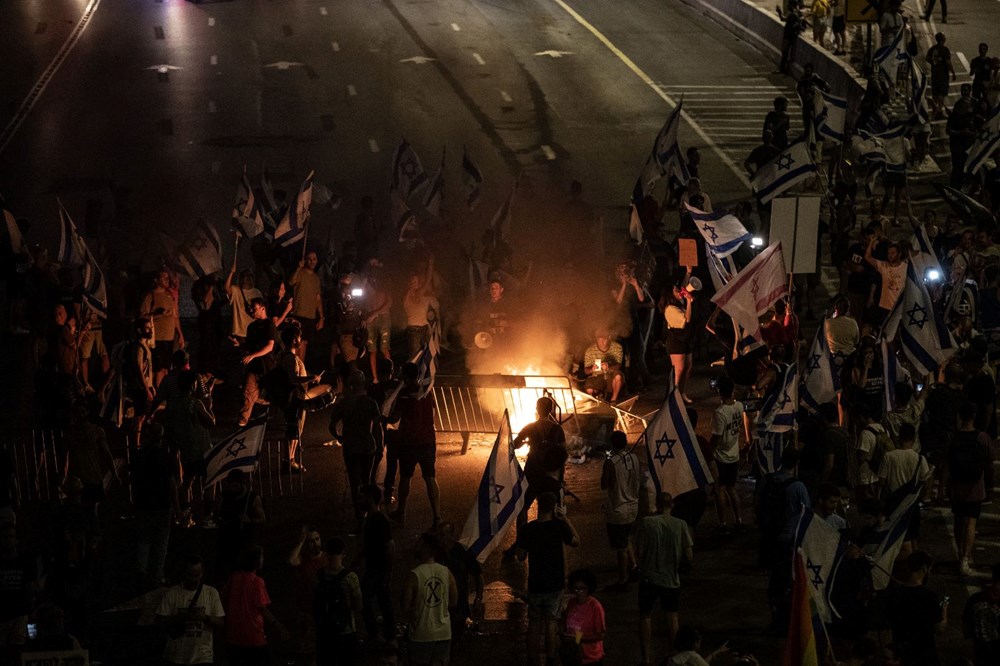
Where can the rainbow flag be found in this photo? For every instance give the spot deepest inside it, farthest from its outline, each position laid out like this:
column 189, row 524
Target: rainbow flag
column 807, row 638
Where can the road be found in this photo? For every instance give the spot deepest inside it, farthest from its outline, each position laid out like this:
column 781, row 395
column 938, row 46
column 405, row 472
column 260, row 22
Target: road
column 158, row 107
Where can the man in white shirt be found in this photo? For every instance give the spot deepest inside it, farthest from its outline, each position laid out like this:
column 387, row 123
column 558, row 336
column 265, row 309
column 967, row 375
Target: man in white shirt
column 726, row 425
column 842, row 333
column 190, row 612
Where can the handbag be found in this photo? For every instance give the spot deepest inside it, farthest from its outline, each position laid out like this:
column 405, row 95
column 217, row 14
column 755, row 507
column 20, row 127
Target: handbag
column 176, row 631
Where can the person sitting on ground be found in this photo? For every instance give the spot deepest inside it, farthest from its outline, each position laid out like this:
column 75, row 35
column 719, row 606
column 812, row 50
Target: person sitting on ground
column 688, row 646
column 602, row 364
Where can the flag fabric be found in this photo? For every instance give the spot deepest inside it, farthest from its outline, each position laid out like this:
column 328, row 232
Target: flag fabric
column 792, row 166
column 755, row 289
column 635, row 224
column 238, row 451
column 890, row 375
column 986, row 142
column 893, row 532
column 405, row 220
column 830, row 115
column 14, row 236
column 888, row 58
column 499, row 499
column 923, row 334
column 502, row 218
column 778, row 407
column 723, row 232
column 73, row 251
column 247, row 219
column 676, row 463
column 822, row 553
column 805, row 628
column 292, row 228
column 665, row 158
column 324, row 196
column 926, row 257
column 920, row 109
column 427, row 362
column 408, row 174
column 479, row 273
column 971, row 211
column 434, row 198
column 472, row 177
column 820, row 379
column 200, row 254
column 269, row 206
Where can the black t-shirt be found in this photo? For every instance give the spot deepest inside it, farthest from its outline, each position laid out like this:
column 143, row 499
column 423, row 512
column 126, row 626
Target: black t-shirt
column 861, row 281
column 377, row 534
column 151, row 474
column 541, row 436
column 543, row 541
column 912, row 613
column 982, row 390
column 259, row 333
column 940, row 416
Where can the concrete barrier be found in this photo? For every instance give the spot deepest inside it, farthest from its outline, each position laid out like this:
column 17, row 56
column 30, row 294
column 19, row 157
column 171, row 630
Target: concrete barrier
column 763, row 29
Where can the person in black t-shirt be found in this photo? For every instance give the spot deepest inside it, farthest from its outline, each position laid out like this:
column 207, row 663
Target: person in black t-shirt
column 259, row 358
column 541, row 543
column 377, row 549
column 916, row 614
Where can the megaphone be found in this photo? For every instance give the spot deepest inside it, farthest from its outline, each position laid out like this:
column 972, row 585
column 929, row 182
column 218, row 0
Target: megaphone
column 693, row 285
column 483, row 340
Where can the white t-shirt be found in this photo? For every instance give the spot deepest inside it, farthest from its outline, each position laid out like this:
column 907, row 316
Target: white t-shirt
column 893, row 280
column 687, row 658
column 842, row 335
column 866, row 444
column 899, row 467
column 726, row 423
column 194, row 646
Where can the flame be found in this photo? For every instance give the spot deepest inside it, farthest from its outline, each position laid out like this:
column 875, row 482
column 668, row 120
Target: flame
column 521, row 407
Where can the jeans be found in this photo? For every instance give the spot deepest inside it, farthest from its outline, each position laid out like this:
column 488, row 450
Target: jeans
column 151, row 541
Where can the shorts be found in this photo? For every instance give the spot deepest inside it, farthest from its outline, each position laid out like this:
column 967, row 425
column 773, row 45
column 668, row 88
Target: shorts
column 429, row 652
column 162, row 353
column 544, row 605
column 411, row 456
column 895, row 178
column 839, row 23
column 347, row 348
column 669, row 597
column 966, row 509
column 194, row 467
column 618, row 534
column 92, row 344
column 678, row 342
column 728, row 473
column 307, row 327
column 378, row 333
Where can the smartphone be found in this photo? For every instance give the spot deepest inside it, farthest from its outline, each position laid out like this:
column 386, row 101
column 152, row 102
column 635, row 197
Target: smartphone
column 357, row 292
column 945, row 599
column 920, row 387
column 32, row 631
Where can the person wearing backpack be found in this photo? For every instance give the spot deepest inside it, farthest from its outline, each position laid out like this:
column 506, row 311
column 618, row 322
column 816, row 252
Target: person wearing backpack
column 338, row 601
column 780, row 498
column 872, row 445
column 970, row 465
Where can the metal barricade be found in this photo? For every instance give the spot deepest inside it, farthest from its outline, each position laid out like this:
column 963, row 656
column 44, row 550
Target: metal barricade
column 270, row 479
column 35, row 460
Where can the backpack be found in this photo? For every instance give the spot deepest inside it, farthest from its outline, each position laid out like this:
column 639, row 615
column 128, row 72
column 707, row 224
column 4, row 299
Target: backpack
column 883, row 444
column 966, row 461
column 772, row 505
column 334, row 614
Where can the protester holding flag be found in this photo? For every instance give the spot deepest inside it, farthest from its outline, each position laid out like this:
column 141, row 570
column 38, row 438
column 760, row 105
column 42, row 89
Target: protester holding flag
column 240, row 296
column 308, row 299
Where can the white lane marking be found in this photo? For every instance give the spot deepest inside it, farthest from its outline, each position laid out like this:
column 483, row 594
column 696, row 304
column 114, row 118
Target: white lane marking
column 214, row 60
column 961, row 59
column 211, row 22
column 335, row 46
column 478, row 58
column 322, row 10
column 552, row 53
column 418, row 60
column 549, row 153
column 685, row 86
column 351, row 90
column 373, row 145
column 216, row 166
column 455, row 27
column 505, row 97
column 211, row 107
column 648, row 80
column 36, row 91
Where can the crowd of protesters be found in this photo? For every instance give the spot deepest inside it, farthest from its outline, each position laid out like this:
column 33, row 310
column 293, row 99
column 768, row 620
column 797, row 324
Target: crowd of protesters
column 302, row 329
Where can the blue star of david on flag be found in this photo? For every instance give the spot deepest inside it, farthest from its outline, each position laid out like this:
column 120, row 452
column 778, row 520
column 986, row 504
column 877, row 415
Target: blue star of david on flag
column 813, row 362
column 662, row 455
column 917, row 315
column 710, row 230
column 785, row 162
column 236, row 447
column 816, row 569
column 497, row 489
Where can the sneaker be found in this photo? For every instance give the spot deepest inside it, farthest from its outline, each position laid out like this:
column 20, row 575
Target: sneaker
column 579, row 460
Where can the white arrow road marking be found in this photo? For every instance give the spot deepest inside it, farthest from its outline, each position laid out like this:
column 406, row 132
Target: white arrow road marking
column 554, row 54
column 284, row 64
column 478, row 58
column 163, row 69
column 418, row 60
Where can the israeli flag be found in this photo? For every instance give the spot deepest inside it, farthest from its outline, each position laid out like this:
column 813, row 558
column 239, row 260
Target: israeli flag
column 888, row 57
column 406, row 222
column 893, row 533
column 15, row 240
column 292, row 228
column 777, row 410
column 723, row 232
column 891, row 372
column 792, row 166
column 676, row 464
column 920, row 109
column 830, row 115
column 665, row 158
column 499, row 499
column 434, row 198
column 823, row 552
column 820, row 380
column 247, row 219
column 768, row 447
column 986, row 142
column 472, row 177
column 502, row 219
column 238, row 451
column 923, row 335
column 926, row 258
column 408, row 174
column 200, row 254
column 73, row 251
